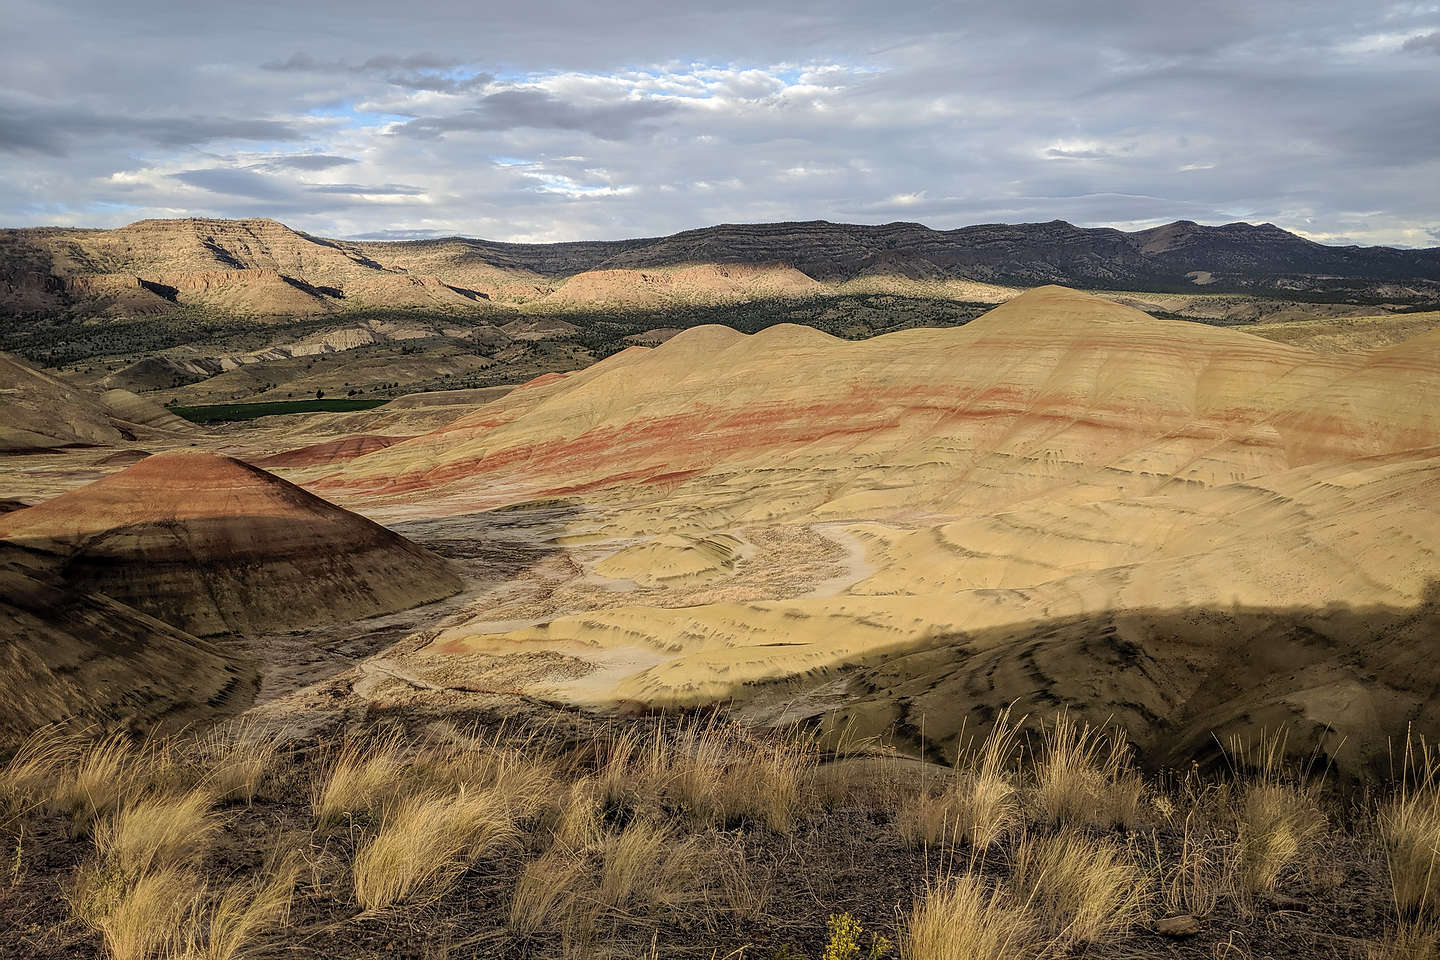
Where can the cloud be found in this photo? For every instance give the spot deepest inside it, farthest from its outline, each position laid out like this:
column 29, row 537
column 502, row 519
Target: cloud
column 1423, row 43
column 57, row 132
column 512, row 109
column 416, row 72
column 307, row 161
column 647, row 117
column 234, row 183
column 371, row 190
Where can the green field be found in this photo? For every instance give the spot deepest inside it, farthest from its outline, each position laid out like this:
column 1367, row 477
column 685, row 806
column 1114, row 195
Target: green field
column 218, row 412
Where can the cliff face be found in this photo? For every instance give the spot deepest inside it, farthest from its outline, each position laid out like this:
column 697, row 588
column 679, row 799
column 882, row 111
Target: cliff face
column 263, row 268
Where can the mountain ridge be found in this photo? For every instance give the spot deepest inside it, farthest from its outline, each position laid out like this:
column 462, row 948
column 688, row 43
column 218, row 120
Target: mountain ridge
column 204, row 260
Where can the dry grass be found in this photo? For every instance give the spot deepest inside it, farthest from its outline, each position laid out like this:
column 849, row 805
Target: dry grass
column 104, row 774
column 647, row 862
column 362, row 778
column 981, row 806
column 239, row 915
column 1081, row 889
column 1084, row 778
column 963, row 919
column 577, row 824
column 136, row 918
column 237, row 758
column 545, row 890
column 712, row 773
column 30, row 778
column 1204, row 872
column 1276, row 823
column 156, row 832
column 669, row 825
column 1409, row 829
column 425, row 842
column 1409, row 941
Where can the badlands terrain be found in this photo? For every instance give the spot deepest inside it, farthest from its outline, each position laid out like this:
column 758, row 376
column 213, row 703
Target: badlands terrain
column 1113, row 613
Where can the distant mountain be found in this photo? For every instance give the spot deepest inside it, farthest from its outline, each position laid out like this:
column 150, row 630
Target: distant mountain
column 263, row 268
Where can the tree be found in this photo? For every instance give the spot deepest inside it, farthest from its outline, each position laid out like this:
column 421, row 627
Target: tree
column 319, row 394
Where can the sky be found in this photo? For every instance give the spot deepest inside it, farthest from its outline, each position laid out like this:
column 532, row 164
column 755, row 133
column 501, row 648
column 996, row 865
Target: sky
column 547, row 120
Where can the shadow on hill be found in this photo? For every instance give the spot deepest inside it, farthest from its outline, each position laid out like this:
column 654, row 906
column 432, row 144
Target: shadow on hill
column 71, row 651
column 1342, row 683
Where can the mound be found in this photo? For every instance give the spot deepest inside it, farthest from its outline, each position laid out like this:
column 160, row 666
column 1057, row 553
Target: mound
column 212, row 545
column 77, row 657
column 666, row 559
column 1067, row 501
column 330, row 451
column 40, row 412
column 143, row 419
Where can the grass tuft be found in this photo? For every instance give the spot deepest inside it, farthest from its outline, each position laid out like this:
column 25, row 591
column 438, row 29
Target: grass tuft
column 1081, row 889
column 425, row 842
column 963, row 919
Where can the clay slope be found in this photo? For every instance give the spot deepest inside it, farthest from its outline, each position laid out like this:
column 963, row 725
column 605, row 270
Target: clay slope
column 41, row 412
column 1067, row 501
column 211, row 545
column 69, row 656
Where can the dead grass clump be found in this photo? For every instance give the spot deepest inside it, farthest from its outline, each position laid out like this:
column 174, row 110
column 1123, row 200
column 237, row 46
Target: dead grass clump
column 963, row 919
column 233, row 920
column 1276, row 823
column 545, row 890
column 1080, row 889
column 577, row 825
column 136, row 918
column 31, row 776
column 362, row 778
column 425, row 842
column 237, row 758
column 646, row 862
column 105, row 773
column 524, row 777
column 980, row 806
column 1409, row 828
column 1409, row 941
column 157, row 831
column 1084, row 777
column 1201, row 876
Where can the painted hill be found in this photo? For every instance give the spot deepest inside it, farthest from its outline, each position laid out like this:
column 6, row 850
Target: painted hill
column 211, row 545
column 71, row 656
column 1067, row 501
column 41, row 412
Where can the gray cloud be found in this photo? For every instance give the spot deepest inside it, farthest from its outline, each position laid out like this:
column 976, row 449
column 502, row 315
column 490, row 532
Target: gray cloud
column 307, row 161
column 416, row 72
column 56, row 132
column 361, row 189
column 1425, row 43
column 234, row 183
column 566, row 119
column 510, row 109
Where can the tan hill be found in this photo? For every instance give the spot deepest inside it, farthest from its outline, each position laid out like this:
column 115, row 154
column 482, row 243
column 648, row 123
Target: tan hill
column 41, row 412
column 211, row 545
column 1186, row 528
column 70, row 656
column 244, row 267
